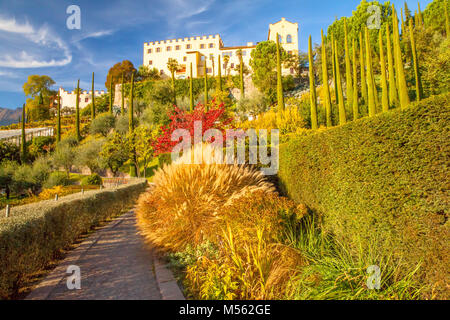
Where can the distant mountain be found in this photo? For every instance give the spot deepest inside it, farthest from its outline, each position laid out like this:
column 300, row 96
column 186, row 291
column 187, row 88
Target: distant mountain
column 8, row 116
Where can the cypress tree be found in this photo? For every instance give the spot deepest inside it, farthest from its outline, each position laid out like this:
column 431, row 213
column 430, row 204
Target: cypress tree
column 384, row 87
column 333, row 54
column 348, row 67
column 122, row 105
column 191, row 93
column 325, row 83
column 280, row 96
column 375, row 90
column 241, row 73
column 403, row 21
column 312, row 87
column 447, row 23
column 340, row 94
column 370, row 88
column 206, row 88
column 133, row 168
column 393, row 99
column 219, row 70
column 415, row 63
column 174, row 91
column 420, row 14
column 23, row 144
column 110, row 96
column 77, row 111
column 402, row 89
column 58, row 123
column 355, row 83
column 131, row 107
column 93, row 99
column 242, row 78
column 362, row 63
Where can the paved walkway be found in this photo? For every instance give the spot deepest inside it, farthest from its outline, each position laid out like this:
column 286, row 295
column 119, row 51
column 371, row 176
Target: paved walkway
column 115, row 264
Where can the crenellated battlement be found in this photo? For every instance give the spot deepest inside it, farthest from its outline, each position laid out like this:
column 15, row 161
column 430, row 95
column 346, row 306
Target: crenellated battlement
column 182, row 40
column 69, row 98
column 84, row 92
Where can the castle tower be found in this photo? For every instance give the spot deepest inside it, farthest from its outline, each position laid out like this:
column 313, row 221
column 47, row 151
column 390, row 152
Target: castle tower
column 288, row 34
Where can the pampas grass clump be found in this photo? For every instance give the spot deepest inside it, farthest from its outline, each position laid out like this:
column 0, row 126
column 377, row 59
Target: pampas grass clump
column 187, row 199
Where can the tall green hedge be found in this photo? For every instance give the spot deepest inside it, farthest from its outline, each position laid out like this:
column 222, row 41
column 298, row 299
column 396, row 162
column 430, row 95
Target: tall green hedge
column 382, row 183
column 34, row 233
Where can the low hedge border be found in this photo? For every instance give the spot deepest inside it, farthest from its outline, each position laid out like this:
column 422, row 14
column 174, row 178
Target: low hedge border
column 382, row 182
column 32, row 236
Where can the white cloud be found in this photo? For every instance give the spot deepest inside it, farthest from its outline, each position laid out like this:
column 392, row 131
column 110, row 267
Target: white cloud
column 97, row 34
column 8, row 74
column 46, row 43
column 10, row 25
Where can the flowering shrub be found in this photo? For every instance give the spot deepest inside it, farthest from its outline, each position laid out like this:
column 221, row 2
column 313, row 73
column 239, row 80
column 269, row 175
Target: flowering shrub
column 215, row 117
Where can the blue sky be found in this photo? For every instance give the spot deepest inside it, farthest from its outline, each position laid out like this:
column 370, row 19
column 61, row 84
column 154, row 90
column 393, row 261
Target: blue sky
column 34, row 38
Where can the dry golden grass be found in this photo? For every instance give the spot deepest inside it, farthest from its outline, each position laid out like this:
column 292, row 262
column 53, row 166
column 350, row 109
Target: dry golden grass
column 188, row 199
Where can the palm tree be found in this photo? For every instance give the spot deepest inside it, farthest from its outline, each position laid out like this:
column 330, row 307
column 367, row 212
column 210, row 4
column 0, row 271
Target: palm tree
column 226, row 59
column 173, row 66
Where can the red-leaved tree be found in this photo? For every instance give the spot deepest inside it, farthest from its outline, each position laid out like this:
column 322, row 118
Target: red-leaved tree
column 214, row 118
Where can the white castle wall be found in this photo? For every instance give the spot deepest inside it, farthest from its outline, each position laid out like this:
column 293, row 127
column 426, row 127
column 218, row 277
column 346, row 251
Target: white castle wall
column 68, row 99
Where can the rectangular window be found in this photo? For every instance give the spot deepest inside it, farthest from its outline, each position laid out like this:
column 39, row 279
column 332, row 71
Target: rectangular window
column 86, row 99
column 202, row 46
column 188, row 46
column 211, row 45
column 208, row 70
column 169, row 48
column 150, row 62
column 202, row 58
column 149, row 51
column 228, row 53
column 185, row 59
column 158, row 49
column 177, row 47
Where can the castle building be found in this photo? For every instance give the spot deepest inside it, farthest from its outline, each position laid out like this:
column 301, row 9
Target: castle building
column 203, row 52
column 69, row 99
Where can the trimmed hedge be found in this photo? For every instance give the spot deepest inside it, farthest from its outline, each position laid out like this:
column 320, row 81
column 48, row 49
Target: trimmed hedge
column 382, row 183
column 35, row 233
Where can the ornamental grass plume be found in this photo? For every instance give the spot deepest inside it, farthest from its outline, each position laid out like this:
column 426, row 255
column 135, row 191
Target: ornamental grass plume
column 187, row 199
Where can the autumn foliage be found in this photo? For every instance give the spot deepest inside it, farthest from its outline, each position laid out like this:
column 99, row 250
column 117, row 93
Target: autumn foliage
column 214, row 118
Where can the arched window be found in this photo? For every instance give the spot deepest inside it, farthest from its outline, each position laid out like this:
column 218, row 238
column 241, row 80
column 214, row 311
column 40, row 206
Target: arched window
column 280, row 39
column 289, row 38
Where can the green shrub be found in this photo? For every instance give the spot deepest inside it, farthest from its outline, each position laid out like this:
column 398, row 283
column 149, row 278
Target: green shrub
column 102, row 124
column 57, row 178
column 164, row 158
column 92, row 180
column 34, row 233
column 380, row 183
